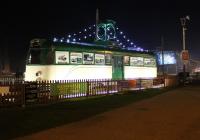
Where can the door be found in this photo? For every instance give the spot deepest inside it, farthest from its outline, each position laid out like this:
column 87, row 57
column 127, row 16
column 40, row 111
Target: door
column 117, row 67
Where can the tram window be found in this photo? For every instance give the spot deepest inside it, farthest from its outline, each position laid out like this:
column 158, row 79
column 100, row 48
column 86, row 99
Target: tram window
column 99, row 59
column 50, row 57
column 136, row 61
column 126, row 60
column 108, row 59
column 29, row 59
column 62, row 57
column 149, row 62
column 35, row 56
column 88, row 58
column 76, row 58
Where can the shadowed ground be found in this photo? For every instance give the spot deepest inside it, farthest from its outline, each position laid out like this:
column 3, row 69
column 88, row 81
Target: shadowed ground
column 174, row 115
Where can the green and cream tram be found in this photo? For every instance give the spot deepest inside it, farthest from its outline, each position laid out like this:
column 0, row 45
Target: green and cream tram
column 70, row 61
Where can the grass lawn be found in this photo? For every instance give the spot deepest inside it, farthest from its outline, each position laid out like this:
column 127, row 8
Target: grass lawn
column 16, row 122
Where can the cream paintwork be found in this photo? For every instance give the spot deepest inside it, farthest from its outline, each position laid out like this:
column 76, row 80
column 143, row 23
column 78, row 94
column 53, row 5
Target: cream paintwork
column 68, row 72
column 131, row 72
column 72, row 72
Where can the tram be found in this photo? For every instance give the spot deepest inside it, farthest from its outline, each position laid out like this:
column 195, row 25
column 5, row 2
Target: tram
column 48, row 60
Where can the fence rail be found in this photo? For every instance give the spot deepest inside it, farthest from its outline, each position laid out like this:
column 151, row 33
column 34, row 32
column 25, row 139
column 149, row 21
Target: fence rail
column 43, row 92
column 4, row 81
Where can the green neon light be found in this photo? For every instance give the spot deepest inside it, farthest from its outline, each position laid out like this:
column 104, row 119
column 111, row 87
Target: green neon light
column 106, row 31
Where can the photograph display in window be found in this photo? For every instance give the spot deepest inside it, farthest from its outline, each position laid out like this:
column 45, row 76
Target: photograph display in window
column 149, row 62
column 76, row 58
column 99, row 59
column 136, row 61
column 62, row 57
column 88, row 58
column 126, row 60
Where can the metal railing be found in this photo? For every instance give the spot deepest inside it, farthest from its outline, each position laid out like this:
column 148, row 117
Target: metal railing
column 43, row 92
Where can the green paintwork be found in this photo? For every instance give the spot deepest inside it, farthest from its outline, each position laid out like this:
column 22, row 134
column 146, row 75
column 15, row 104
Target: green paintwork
column 98, row 47
column 47, row 54
column 118, row 69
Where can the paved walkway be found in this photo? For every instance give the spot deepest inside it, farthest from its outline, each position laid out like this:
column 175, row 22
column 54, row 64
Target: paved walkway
column 174, row 115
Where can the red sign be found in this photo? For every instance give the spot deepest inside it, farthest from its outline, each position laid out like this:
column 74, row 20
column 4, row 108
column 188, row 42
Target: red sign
column 185, row 55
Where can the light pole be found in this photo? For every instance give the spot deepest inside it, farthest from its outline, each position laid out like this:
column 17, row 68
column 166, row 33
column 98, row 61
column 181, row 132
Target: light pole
column 184, row 54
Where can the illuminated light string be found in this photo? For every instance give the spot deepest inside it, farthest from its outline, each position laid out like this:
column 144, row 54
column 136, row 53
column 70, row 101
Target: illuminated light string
column 78, row 36
column 123, row 38
column 89, row 33
column 123, row 41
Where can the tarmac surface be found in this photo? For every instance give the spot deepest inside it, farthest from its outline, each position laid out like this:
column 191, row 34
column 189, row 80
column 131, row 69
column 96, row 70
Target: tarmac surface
column 174, row 115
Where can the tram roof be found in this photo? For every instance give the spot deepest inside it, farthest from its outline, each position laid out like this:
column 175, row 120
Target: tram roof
column 97, row 46
column 93, row 46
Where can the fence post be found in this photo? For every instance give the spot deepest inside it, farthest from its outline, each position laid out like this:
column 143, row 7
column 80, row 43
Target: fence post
column 118, row 86
column 23, row 92
column 164, row 81
column 107, row 86
column 140, row 84
column 88, row 86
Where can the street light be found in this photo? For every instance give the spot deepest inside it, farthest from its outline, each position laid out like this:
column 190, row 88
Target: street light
column 184, row 54
column 183, row 23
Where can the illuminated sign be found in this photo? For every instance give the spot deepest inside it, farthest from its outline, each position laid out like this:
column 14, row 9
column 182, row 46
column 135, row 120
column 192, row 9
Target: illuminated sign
column 169, row 57
column 185, row 55
column 106, row 31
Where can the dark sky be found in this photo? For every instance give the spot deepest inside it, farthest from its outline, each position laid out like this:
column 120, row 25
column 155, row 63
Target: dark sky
column 143, row 21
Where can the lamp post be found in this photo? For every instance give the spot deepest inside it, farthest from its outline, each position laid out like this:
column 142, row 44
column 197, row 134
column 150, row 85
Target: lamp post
column 184, row 54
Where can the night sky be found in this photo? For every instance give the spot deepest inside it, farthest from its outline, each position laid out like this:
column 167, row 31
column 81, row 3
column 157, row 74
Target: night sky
column 143, row 21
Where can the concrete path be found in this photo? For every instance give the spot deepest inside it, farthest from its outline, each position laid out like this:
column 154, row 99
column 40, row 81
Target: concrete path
column 174, row 115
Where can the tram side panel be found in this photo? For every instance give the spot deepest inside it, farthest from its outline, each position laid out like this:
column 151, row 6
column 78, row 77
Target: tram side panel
column 67, row 72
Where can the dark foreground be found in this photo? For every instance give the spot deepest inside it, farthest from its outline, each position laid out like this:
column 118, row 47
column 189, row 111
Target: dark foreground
column 18, row 122
column 174, row 115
